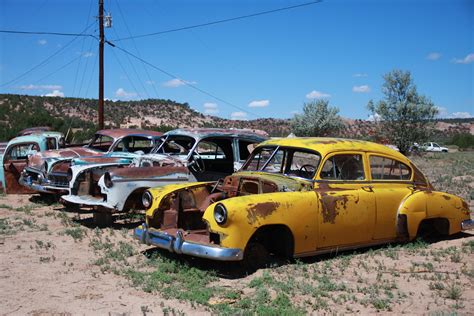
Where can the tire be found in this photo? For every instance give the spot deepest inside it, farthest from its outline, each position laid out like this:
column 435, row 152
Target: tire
column 255, row 256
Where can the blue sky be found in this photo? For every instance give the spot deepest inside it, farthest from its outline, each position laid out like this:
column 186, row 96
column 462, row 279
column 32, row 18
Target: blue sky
column 266, row 66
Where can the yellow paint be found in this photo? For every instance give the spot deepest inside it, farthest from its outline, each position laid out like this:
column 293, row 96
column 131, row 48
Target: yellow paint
column 335, row 213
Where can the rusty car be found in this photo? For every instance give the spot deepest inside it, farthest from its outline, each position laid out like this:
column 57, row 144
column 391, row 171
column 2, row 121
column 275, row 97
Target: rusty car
column 15, row 155
column 46, row 172
column 190, row 154
column 298, row 197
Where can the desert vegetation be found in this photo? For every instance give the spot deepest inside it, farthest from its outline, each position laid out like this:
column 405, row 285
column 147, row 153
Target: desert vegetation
column 55, row 259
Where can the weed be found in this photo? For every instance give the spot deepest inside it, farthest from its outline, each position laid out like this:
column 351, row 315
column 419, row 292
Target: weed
column 77, row 233
column 7, row 207
column 453, row 291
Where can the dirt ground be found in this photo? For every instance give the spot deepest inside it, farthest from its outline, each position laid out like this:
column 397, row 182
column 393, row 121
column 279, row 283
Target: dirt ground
column 47, row 269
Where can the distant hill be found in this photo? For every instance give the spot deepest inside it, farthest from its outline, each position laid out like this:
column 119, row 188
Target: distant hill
column 80, row 115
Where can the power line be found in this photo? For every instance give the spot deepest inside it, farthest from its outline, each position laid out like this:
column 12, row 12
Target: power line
column 47, row 33
column 221, row 21
column 182, row 81
column 44, row 61
column 137, row 50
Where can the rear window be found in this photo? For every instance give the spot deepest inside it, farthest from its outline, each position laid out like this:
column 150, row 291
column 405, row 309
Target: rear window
column 383, row 168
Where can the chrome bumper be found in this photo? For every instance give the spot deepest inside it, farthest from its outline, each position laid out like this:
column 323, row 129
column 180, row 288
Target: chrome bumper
column 26, row 182
column 180, row 246
column 467, row 224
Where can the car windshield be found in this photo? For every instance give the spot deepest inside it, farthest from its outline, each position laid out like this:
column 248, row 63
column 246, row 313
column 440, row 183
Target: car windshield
column 101, row 142
column 178, row 145
column 284, row 160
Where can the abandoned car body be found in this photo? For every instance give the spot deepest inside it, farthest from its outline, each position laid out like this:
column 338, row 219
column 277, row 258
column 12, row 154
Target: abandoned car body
column 185, row 155
column 15, row 156
column 301, row 197
column 46, row 172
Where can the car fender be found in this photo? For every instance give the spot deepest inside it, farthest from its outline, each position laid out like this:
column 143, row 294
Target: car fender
column 298, row 211
column 428, row 204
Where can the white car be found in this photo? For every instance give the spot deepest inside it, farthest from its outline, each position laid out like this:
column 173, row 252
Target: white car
column 434, row 147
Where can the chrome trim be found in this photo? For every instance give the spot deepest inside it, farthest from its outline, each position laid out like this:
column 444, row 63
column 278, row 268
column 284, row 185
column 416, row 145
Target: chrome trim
column 180, row 246
column 467, row 224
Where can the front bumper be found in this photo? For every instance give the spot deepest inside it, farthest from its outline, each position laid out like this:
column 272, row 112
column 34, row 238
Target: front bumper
column 87, row 200
column 467, row 224
column 180, row 246
column 27, row 182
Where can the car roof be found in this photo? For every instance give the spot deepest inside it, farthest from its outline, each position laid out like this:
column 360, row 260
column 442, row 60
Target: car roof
column 27, row 138
column 121, row 132
column 215, row 132
column 326, row 145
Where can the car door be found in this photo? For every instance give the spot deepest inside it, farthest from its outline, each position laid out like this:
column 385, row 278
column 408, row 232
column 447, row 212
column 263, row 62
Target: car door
column 346, row 202
column 14, row 160
column 390, row 184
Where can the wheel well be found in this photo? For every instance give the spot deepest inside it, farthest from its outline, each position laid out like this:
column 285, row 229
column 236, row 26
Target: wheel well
column 277, row 239
column 134, row 200
column 439, row 226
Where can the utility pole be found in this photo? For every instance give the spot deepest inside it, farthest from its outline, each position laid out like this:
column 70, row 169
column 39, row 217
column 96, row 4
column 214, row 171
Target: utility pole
column 101, row 64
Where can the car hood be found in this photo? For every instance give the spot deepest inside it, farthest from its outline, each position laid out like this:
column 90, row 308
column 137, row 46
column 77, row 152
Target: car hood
column 37, row 160
column 283, row 183
column 159, row 160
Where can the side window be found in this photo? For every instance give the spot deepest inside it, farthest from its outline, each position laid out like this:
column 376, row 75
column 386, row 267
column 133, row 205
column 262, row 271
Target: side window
column 259, row 159
column 21, row 151
column 245, row 148
column 210, row 150
column 343, row 167
column 382, row 168
column 50, row 143
column 304, row 164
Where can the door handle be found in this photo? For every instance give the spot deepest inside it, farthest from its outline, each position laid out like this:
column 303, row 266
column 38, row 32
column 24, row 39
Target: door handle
column 367, row 188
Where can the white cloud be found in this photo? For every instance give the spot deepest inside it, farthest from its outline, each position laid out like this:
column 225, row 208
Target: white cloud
column 295, row 112
column 42, row 42
column 442, row 111
column 362, row 75
column 374, row 117
column 466, row 60
column 41, row 87
column 55, row 93
column 433, row 56
column 150, row 82
column 125, row 94
column 87, row 54
column 210, row 108
column 259, row 103
column 361, row 89
column 175, row 83
column 317, row 95
column 461, row 115
column 238, row 116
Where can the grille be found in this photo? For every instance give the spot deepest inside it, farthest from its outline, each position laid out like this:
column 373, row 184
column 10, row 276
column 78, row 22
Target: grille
column 58, row 179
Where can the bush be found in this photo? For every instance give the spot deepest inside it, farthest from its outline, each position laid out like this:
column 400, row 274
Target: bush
column 463, row 141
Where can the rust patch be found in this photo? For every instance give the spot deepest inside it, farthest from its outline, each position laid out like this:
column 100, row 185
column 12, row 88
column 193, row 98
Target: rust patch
column 446, row 197
column 330, row 205
column 261, row 210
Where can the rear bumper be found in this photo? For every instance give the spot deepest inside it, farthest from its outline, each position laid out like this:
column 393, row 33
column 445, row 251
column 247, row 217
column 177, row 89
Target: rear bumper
column 467, row 224
column 180, row 246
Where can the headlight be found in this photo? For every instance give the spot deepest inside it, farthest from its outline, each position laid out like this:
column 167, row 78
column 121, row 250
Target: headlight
column 220, row 214
column 147, row 199
column 69, row 175
column 108, row 180
column 40, row 179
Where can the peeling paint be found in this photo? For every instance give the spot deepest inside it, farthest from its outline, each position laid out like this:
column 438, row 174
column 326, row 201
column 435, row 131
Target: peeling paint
column 331, row 204
column 260, row 210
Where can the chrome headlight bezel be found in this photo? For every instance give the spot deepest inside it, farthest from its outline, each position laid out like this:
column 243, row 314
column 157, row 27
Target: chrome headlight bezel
column 147, row 199
column 220, row 214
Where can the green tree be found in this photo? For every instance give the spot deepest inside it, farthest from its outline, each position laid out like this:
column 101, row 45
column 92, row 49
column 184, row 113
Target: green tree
column 318, row 119
column 403, row 116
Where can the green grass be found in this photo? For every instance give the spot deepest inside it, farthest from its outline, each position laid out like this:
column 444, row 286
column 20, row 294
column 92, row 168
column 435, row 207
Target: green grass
column 77, row 233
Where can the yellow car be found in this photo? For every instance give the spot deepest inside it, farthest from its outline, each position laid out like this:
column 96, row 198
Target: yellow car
column 301, row 197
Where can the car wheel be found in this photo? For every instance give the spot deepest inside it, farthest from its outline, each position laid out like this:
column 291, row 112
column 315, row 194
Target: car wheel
column 255, row 256
column 445, row 151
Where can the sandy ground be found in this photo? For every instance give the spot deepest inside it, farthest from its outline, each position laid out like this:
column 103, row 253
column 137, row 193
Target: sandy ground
column 44, row 271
